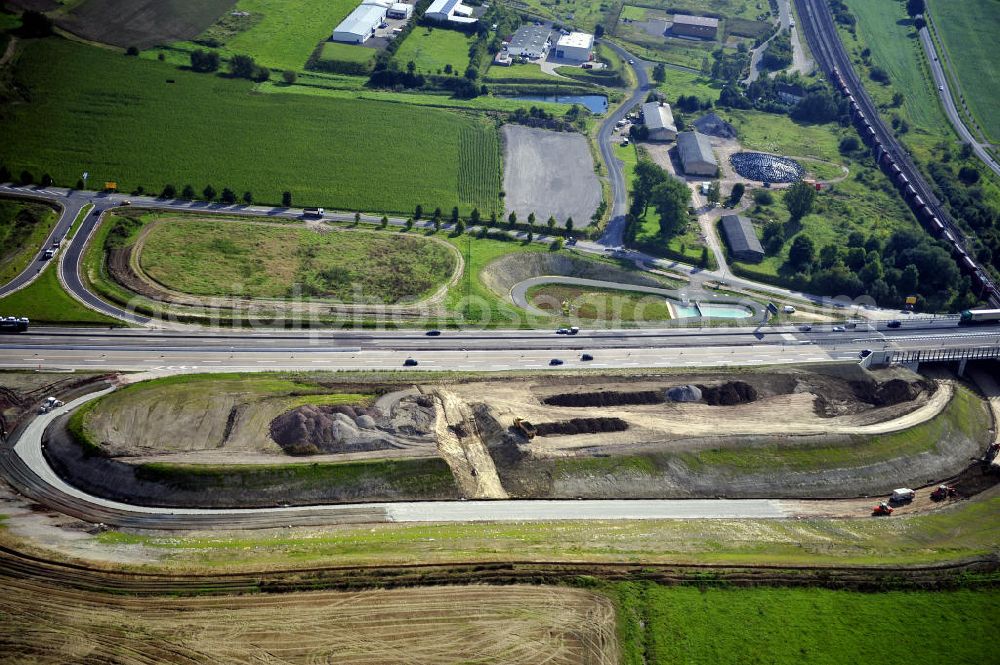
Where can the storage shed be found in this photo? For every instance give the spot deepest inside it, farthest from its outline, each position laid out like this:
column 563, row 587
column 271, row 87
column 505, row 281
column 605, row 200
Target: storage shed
column 659, row 120
column 742, row 239
column 361, row 23
column 575, row 46
column 703, row 27
column 695, row 152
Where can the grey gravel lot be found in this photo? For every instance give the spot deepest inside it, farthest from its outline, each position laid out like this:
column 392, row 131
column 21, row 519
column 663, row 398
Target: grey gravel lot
column 549, row 173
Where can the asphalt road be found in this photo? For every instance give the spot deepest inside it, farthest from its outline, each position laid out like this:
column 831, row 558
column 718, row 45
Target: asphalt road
column 68, row 211
column 614, row 232
column 948, row 101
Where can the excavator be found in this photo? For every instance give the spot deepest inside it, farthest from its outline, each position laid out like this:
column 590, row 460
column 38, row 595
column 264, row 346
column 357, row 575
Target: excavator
column 525, row 428
column 943, row 492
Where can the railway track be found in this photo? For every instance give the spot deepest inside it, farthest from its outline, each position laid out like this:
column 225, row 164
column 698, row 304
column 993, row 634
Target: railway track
column 821, row 33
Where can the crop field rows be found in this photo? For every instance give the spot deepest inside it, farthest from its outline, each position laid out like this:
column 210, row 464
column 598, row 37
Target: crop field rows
column 479, row 172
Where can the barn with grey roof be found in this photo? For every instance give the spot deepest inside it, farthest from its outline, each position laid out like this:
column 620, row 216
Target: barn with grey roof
column 695, row 152
column 742, row 239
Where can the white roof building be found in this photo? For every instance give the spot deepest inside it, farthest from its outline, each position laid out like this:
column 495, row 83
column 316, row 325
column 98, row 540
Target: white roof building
column 449, row 10
column 575, row 46
column 360, row 24
column 660, row 121
column 400, row 10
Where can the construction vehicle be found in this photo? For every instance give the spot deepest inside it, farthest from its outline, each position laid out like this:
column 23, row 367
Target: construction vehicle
column 943, row 492
column 49, row 404
column 991, row 452
column 525, row 428
column 882, row 509
column 902, row 495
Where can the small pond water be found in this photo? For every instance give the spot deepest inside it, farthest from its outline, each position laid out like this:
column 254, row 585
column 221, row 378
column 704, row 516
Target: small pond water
column 711, row 310
column 594, row 103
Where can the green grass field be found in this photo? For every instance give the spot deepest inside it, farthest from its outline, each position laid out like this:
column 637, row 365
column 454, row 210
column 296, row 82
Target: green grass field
column 688, row 83
column 430, row 49
column 968, row 31
column 661, row 625
column 288, row 30
column 204, row 129
column 214, row 258
column 45, row 301
column 884, row 28
column 599, row 304
column 24, row 226
column 347, row 53
column 516, row 73
column 779, row 134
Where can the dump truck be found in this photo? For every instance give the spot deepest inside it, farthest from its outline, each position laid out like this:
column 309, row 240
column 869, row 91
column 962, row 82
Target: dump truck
column 49, row 404
column 526, row 428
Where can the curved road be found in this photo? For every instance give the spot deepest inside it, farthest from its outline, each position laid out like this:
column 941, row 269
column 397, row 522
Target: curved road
column 69, row 208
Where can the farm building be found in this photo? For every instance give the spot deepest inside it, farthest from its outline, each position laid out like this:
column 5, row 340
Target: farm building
column 660, row 121
column 361, row 23
column 400, row 10
column 695, row 151
column 530, row 41
column 703, row 27
column 449, row 10
column 742, row 239
column 575, row 46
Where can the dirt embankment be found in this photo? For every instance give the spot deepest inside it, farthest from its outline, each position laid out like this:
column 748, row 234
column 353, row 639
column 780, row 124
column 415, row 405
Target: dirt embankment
column 463, row 448
column 502, row 274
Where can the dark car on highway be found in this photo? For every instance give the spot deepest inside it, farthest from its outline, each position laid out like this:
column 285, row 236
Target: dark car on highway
column 433, row 333
column 555, row 361
column 410, row 362
column 894, row 324
column 586, row 356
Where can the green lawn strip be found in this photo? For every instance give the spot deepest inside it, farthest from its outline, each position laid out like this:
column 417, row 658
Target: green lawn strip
column 967, row 529
column 965, row 414
column 78, row 220
column 347, row 52
column 24, row 226
column 686, row 624
column 686, row 246
column 45, row 301
column 688, row 83
column 601, row 304
column 529, row 72
column 968, row 31
column 353, row 166
column 214, row 258
column 432, row 49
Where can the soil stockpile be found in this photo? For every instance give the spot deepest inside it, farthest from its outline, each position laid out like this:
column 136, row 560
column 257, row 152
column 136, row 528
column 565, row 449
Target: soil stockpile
column 606, row 398
column 891, row 392
column 729, row 394
column 686, row 393
column 581, row 426
column 310, row 429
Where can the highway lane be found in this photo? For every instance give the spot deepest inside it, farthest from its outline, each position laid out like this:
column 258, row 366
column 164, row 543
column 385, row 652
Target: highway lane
column 68, row 210
column 35, row 478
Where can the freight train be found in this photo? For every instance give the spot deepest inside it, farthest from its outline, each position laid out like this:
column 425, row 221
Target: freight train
column 925, row 213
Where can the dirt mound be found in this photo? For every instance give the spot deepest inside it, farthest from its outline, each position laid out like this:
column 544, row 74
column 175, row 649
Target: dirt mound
column 309, row 429
column 713, row 125
column 501, row 275
column 686, row 393
column 891, row 392
column 729, row 394
column 606, row 398
column 581, row 426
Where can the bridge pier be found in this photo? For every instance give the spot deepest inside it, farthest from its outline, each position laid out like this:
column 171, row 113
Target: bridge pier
column 961, row 366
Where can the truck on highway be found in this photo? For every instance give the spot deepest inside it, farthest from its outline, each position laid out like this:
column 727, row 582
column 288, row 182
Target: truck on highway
column 313, row 212
column 13, row 324
column 973, row 316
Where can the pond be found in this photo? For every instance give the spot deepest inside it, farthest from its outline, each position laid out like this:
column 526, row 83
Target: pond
column 594, row 103
column 709, row 310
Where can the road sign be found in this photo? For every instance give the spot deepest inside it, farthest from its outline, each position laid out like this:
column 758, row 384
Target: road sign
column 111, row 185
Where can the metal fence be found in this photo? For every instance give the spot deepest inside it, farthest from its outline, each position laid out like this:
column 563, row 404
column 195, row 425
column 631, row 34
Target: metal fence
column 944, row 355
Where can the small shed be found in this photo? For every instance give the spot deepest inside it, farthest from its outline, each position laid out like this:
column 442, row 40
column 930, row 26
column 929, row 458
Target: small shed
column 742, row 239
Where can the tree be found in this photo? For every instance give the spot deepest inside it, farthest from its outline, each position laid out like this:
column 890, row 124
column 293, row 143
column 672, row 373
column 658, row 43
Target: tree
column 849, row 144
column 897, row 99
column 920, row 23
column 289, row 76
column 530, row 237
column 169, row 192
column 569, row 225
column 763, row 197
column 132, row 51
column 248, row 197
column 909, row 282
column 736, row 194
column 660, row 72
column 704, row 257
column 418, row 212
column 671, row 198
column 409, row 224
column 5, row 174
column 512, row 218
column 802, row 253
column 27, row 178
column 228, row 196
column 286, row 199
column 208, row 193
column 242, row 66
column 471, row 73
column 969, row 175
column 493, row 219
column 261, row 74
column 774, row 237
column 204, row 61
column 411, row 67
column 187, row 192
column 551, row 223
column 799, row 199
column 459, row 228
column 454, row 215
column 437, row 224
column 385, row 221
column 79, row 182
column 598, row 31
column 437, row 212
column 531, row 219
column 714, row 192
column 35, row 24
column 46, row 180
column 915, row 7
column 819, row 106
column 474, row 217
